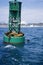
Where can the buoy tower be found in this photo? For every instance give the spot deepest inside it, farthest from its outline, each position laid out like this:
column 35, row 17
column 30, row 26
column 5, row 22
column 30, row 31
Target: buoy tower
column 14, row 35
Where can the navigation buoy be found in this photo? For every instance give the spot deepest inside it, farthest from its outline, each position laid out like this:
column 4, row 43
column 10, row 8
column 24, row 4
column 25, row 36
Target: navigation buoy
column 14, row 35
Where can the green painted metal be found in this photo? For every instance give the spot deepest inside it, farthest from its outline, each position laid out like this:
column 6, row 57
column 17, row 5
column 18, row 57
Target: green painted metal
column 14, row 40
column 14, row 16
column 14, row 23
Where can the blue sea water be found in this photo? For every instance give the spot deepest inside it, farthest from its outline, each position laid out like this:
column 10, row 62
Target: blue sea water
column 31, row 53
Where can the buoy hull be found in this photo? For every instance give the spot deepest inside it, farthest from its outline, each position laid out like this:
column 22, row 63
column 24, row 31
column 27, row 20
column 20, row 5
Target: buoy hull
column 14, row 40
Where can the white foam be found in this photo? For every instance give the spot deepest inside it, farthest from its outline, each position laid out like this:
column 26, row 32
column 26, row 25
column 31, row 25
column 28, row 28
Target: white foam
column 9, row 46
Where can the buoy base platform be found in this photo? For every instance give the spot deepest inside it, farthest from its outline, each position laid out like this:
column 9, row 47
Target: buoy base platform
column 14, row 38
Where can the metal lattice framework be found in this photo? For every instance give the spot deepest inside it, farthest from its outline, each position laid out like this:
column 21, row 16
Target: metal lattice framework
column 14, row 16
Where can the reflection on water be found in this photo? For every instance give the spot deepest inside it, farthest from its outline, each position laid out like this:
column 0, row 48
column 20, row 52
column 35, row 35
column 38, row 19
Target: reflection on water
column 17, row 45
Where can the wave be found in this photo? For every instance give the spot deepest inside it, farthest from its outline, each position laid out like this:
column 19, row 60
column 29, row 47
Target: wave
column 10, row 46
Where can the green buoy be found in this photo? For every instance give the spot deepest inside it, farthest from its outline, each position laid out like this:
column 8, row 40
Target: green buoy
column 14, row 36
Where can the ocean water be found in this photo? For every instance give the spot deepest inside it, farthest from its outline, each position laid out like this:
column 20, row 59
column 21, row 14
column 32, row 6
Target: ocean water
column 31, row 53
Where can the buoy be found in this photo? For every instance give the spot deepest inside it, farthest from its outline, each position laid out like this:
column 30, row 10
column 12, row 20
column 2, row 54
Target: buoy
column 14, row 35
